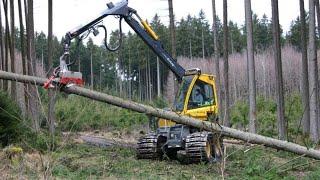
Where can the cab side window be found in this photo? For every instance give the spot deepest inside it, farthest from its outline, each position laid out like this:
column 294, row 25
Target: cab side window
column 201, row 95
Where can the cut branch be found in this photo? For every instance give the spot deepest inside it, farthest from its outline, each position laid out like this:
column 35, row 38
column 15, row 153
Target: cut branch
column 229, row 132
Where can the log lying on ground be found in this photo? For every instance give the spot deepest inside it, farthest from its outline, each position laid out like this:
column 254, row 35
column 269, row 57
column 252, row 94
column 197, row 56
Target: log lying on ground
column 104, row 142
column 229, row 132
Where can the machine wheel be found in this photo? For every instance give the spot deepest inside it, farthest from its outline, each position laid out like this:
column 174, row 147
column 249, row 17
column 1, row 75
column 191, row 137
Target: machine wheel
column 203, row 147
column 148, row 147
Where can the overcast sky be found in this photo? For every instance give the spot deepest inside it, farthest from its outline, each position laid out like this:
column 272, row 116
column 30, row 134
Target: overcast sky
column 69, row 14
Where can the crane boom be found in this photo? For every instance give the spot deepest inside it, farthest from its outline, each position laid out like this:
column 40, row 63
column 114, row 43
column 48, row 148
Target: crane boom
column 142, row 29
column 156, row 47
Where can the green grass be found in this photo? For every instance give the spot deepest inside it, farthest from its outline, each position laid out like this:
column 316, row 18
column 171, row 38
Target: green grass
column 267, row 115
column 79, row 161
column 12, row 125
column 76, row 113
column 82, row 162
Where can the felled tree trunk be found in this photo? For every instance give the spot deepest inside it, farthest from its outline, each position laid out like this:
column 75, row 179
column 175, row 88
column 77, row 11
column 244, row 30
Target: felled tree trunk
column 229, row 132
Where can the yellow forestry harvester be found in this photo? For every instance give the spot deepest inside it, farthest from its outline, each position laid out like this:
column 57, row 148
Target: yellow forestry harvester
column 196, row 97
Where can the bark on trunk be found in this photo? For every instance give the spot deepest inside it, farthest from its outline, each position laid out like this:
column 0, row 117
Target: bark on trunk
column 313, row 76
column 216, row 56
column 317, row 14
column 304, row 72
column 226, row 120
column 91, row 71
column 251, row 68
column 23, row 53
column 205, row 125
column 2, row 64
column 173, row 41
column 33, row 106
column 278, row 70
column 6, row 43
column 51, row 93
column 12, row 50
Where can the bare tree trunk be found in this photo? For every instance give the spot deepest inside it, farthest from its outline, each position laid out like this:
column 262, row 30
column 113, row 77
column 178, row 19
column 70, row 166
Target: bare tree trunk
column 205, row 125
column 140, row 83
column 149, row 81
column 158, row 79
column 91, row 71
column 190, row 49
column 23, row 52
column 278, row 70
column 226, row 121
column 265, row 88
column 79, row 62
column 146, row 81
column 130, row 79
column 317, row 38
column 33, row 105
column 6, row 43
column 251, row 68
column 172, row 30
column 26, row 53
column 304, row 73
column 26, row 11
column 12, row 50
column 234, row 77
column 318, row 14
column 173, row 41
column 51, row 93
column 27, row 39
column 313, row 75
column 2, row 64
column 202, row 42
column 216, row 56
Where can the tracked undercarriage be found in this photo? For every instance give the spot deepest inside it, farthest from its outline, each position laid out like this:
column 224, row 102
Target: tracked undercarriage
column 182, row 143
column 148, row 147
column 203, row 146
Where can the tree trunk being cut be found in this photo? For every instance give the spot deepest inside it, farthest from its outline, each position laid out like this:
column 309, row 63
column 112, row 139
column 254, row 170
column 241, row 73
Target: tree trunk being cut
column 229, row 132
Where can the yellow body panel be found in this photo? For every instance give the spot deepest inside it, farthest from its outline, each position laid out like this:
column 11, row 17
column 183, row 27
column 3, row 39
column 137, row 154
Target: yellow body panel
column 200, row 113
column 165, row 123
column 149, row 30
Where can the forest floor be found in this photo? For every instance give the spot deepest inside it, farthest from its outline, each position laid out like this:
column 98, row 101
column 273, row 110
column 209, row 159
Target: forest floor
column 81, row 157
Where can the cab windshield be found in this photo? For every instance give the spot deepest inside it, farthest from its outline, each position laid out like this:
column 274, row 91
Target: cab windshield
column 182, row 93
